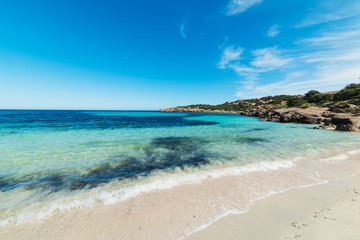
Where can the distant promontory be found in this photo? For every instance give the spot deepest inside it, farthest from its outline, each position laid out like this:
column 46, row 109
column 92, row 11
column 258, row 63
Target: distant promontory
column 337, row 110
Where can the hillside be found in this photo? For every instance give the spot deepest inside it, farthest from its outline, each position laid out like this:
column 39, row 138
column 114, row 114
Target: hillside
column 337, row 110
column 345, row 100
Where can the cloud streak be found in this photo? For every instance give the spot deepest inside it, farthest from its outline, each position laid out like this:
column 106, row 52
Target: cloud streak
column 334, row 38
column 182, row 31
column 273, row 31
column 239, row 6
column 230, row 54
column 335, row 11
column 269, row 58
column 262, row 60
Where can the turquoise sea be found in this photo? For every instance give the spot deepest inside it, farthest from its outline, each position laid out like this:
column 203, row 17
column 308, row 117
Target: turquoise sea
column 46, row 156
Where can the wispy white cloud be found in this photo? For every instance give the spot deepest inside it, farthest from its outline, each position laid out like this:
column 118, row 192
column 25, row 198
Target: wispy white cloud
column 334, row 46
column 273, row 31
column 294, row 75
column 333, row 56
column 182, row 30
column 269, row 58
column 238, row 6
column 333, row 79
column 329, row 11
column 328, row 64
column 334, row 38
column 250, row 74
column 263, row 60
column 324, row 18
column 229, row 55
column 230, row 59
column 183, row 26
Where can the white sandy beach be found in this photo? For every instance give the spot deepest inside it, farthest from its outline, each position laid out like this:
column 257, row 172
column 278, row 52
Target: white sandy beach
column 325, row 211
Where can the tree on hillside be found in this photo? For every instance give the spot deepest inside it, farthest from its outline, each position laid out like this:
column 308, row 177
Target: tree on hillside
column 351, row 91
column 310, row 94
column 295, row 101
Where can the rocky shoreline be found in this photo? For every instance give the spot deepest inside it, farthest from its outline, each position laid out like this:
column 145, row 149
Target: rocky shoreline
column 313, row 115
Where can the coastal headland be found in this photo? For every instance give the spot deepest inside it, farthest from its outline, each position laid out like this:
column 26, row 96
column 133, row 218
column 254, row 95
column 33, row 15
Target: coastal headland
column 337, row 110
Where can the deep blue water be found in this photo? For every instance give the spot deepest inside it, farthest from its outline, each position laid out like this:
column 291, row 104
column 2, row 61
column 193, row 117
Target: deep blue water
column 70, row 120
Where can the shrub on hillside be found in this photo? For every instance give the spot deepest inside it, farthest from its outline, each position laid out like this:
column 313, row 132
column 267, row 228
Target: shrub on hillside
column 321, row 98
column 351, row 91
column 311, row 94
column 295, row 101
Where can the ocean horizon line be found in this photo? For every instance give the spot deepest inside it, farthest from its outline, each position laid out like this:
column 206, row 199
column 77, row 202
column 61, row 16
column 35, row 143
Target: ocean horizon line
column 60, row 109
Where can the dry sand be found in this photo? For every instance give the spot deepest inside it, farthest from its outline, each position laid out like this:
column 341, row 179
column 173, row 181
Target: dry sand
column 326, row 211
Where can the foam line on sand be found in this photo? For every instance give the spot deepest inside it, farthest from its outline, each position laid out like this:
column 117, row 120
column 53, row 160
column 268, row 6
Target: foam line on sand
column 326, row 211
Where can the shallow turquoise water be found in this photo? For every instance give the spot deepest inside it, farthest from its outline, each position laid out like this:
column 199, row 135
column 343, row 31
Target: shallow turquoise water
column 51, row 153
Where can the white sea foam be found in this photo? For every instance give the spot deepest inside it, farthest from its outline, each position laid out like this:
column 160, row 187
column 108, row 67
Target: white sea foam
column 341, row 157
column 354, row 152
column 186, row 178
column 235, row 211
column 167, row 182
column 336, row 158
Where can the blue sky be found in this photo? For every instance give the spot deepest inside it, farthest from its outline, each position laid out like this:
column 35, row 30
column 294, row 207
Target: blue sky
column 116, row 54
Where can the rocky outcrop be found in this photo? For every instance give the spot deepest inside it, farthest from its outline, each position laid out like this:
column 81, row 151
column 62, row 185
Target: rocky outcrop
column 341, row 122
column 344, row 108
column 327, row 119
column 294, row 115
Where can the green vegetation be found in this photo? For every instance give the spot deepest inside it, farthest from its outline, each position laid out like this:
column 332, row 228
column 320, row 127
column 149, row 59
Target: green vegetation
column 345, row 100
column 351, row 94
column 296, row 102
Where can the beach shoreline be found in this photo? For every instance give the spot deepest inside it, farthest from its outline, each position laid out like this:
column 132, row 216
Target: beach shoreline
column 274, row 199
column 325, row 211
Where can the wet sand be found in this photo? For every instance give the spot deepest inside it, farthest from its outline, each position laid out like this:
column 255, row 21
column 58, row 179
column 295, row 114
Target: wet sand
column 325, row 211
